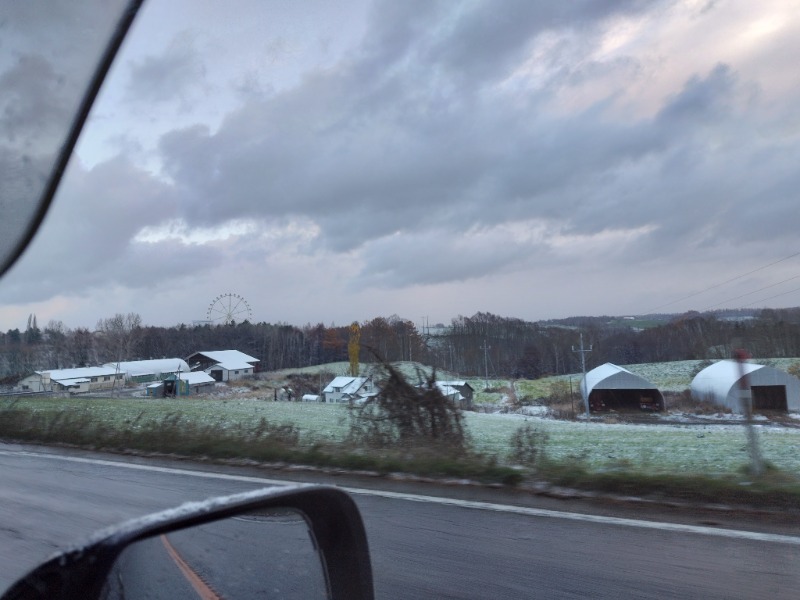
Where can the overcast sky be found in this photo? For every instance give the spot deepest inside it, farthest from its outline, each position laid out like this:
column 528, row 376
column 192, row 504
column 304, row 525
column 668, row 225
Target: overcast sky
column 337, row 161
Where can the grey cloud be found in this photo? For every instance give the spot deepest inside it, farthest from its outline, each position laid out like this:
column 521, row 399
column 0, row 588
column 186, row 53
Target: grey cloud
column 376, row 159
column 700, row 99
column 177, row 73
column 439, row 257
column 87, row 243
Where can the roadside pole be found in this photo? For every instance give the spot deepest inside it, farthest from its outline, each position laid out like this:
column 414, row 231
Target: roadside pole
column 746, row 403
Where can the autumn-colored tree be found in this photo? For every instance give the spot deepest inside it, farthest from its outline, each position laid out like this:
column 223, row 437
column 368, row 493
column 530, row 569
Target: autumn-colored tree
column 354, row 347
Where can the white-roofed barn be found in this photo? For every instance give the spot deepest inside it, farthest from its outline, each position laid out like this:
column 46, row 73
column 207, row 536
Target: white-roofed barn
column 771, row 389
column 223, row 365
column 609, row 387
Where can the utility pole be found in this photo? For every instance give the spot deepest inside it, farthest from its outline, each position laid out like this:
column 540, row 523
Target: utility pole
column 583, row 352
column 485, row 349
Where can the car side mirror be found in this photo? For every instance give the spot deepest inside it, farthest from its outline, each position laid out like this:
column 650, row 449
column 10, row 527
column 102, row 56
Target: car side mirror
column 303, row 542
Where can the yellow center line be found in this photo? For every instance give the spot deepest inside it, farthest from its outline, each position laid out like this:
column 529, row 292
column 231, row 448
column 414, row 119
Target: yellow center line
column 203, row 590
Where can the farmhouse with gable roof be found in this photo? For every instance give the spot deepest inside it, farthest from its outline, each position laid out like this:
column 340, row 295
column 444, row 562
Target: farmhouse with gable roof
column 223, row 365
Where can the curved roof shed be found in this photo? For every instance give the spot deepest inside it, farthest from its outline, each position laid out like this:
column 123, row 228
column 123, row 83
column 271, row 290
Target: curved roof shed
column 771, row 389
column 610, row 387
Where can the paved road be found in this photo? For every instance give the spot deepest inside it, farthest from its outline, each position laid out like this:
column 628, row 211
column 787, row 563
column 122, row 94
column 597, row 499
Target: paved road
column 421, row 548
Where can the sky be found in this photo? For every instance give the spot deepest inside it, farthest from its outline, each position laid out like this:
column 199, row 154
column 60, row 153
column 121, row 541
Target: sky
column 332, row 162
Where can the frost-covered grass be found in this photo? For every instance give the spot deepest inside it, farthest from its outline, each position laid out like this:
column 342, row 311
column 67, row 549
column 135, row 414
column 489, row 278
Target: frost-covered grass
column 684, row 449
column 322, row 420
column 701, row 449
column 674, row 376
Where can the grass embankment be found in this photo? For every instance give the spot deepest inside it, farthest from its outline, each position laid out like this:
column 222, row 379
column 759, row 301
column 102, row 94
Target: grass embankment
column 685, row 462
column 229, row 430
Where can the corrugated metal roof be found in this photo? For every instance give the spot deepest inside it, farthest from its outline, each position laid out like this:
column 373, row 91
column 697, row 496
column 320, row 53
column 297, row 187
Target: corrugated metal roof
column 232, row 366
column 197, row 378
column 346, row 385
column 80, row 372
column 612, row 377
column 719, row 382
column 135, row 368
column 448, row 391
column 455, row 383
column 233, row 356
column 715, row 381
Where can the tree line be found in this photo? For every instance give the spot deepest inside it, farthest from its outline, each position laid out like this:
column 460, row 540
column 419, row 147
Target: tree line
column 469, row 346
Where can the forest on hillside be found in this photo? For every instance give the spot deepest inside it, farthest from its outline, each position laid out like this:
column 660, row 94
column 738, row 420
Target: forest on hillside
column 470, row 346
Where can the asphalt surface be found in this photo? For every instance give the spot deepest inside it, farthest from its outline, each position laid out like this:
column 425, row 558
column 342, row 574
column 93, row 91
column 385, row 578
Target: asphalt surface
column 473, row 544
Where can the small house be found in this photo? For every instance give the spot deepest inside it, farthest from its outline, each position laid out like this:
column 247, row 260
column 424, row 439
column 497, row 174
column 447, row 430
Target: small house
column 465, row 389
column 182, row 384
column 347, row 389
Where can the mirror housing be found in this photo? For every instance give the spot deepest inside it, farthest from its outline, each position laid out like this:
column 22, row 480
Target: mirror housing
column 331, row 514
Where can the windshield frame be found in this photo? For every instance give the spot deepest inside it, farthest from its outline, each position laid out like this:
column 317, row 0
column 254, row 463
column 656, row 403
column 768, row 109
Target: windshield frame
column 64, row 153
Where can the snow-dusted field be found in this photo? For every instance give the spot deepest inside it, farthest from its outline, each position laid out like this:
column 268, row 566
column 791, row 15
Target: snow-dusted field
column 713, row 448
column 709, row 448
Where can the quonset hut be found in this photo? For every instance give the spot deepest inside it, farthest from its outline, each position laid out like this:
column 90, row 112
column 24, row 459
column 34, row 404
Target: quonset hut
column 771, row 389
column 609, row 387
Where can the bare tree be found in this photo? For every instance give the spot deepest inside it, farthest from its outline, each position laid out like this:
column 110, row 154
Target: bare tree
column 119, row 336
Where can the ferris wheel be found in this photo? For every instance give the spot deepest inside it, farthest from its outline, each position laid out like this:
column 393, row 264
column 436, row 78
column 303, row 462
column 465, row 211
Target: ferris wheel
column 228, row 309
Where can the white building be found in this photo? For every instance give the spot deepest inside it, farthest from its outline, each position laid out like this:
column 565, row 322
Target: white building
column 76, row 381
column 224, row 365
column 143, row 371
column 346, row 389
column 771, row 389
column 182, row 384
column 465, row 390
column 609, row 387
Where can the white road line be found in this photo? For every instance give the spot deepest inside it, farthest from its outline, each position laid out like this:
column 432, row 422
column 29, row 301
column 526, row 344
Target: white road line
column 503, row 508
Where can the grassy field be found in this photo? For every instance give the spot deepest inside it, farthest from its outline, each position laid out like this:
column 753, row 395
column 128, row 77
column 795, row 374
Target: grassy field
column 684, row 449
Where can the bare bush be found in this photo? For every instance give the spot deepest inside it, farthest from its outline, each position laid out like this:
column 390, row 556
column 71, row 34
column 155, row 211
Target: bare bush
column 407, row 416
column 528, row 445
column 685, row 403
column 560, row 402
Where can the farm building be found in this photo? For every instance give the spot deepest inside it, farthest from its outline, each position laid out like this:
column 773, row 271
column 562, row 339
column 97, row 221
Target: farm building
column 144, row 371
column 464, row 389
column 771, row 389
column 453, row 392
column 224, row 365
column 345, row 389
column 182, row 384
column 76, row 381
column 609, row 387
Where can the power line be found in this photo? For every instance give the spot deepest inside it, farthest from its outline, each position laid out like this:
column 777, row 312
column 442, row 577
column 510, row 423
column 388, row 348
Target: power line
column 771, row 297
column 717, row 285
column 751, row 293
